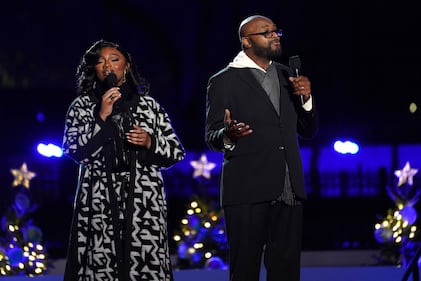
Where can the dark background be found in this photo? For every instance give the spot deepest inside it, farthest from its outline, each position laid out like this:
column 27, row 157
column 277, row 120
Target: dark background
column 362, row 58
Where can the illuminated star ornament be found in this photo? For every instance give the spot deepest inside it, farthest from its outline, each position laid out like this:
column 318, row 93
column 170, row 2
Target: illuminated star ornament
column 22, row 176
column 406, row 174
column 202, row 167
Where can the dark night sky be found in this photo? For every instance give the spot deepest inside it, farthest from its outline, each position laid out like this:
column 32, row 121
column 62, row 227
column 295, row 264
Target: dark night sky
column 362, row 59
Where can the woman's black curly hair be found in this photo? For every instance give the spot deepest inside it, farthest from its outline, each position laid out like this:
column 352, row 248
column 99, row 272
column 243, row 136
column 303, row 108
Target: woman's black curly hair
column 87, row 81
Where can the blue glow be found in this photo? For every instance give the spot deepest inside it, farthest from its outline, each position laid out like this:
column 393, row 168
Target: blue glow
column 40, row 116
column 49, row 150
column 346, row 147
column 409, row 214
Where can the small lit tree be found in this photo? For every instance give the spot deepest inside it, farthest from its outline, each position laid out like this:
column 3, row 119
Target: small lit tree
column 201, row 239
column 397, row 230
column 21, row 249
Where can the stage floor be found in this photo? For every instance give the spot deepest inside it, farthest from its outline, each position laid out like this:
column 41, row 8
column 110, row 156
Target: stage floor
column 349, row 265
column 363, row 273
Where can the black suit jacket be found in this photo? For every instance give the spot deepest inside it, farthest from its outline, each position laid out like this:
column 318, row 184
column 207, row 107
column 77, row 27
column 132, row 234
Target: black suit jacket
column 254, row 171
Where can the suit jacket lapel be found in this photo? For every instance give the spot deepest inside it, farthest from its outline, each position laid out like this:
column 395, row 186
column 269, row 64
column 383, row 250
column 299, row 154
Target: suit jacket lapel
column 283, row 88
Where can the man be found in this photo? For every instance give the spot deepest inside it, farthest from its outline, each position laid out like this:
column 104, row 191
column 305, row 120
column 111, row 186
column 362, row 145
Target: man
column 256, row 108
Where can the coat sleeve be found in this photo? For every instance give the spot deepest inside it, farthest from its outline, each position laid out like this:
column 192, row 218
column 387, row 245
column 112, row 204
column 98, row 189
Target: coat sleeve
column 308, row 122
column 166, row 148
column 84, row 132
column 215, row 112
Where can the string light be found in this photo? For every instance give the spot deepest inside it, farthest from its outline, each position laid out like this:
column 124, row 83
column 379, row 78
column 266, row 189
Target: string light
column 201, row 239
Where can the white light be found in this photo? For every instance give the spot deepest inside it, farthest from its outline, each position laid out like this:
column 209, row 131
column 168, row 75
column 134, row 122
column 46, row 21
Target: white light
column 49, row 150
column 346, row 147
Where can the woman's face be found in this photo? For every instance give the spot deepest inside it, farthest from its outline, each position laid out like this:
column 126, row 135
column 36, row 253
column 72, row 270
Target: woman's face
column 111, row 60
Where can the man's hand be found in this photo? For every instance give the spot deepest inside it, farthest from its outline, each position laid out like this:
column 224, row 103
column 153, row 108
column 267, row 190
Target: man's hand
column 234, row 129
column 302, row 86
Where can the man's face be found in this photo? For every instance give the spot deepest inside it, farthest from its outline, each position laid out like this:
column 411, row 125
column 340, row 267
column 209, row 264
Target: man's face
column 264, row 38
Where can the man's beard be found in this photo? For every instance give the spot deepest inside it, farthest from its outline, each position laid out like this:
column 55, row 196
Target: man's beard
column 267, row 52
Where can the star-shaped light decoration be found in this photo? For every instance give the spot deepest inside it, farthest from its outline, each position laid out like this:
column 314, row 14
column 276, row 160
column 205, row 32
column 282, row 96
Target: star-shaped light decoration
column 202, row 167
column 22, row 176
column 406, row 174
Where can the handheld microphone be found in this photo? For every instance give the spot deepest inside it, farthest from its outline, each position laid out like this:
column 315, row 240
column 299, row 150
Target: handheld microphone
column 111, row 80
column 295, row 65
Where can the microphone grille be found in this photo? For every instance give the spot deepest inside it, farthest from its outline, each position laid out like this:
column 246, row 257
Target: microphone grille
column 111, row 80
column 294, row 63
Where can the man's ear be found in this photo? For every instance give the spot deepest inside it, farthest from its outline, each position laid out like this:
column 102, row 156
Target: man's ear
column 245, row 42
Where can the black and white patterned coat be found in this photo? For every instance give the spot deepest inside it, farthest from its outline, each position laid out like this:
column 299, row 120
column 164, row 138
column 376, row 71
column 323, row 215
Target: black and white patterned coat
column 119, row 227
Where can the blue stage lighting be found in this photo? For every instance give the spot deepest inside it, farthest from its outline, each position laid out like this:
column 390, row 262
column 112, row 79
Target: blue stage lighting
column 345, row 147
column 49, row 150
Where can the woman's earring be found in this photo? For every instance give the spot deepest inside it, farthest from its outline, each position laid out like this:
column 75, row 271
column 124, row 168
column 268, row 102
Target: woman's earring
column 124, row 75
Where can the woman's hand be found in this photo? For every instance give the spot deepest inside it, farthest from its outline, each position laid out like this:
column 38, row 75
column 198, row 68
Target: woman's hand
column 139, row 136
column 107, row 102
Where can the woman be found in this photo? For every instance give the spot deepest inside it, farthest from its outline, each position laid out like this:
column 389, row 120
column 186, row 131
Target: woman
column 121, row 138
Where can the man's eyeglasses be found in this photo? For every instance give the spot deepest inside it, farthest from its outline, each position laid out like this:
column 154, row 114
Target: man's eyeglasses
column 268, row 34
